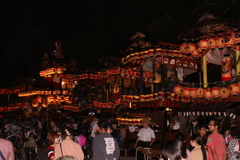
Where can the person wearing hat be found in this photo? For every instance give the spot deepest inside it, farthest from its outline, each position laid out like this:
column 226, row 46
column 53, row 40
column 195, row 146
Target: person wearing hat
column 146, row 136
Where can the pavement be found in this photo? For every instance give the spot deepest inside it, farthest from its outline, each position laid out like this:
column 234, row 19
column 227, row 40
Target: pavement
column 42, row 154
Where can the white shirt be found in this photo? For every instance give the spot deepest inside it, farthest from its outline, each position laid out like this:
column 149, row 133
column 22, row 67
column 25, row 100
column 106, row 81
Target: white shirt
column 176, row 126
column 146, row 135
column 94, row 129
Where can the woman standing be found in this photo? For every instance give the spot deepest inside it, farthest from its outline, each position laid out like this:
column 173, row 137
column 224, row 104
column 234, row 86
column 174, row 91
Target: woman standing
column 199, row 152
column 68, row 147
column 52, row 139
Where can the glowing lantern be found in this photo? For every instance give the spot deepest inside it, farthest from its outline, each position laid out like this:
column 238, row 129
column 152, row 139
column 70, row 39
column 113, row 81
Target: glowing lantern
column 178, row 89
column 158, row 51
column 203, row 44
column 224, row 92
column 207, row 93
column 199, row 92
column 161, row 95
column 151, row 52
column 186, row 92
column 192, row 92
column 212, row 44
column 190, row 48
column 220, row 44
column 234, row 90
column 226, row 68
column 215, row 92
column 172, row 95
column 229, row 43
column 183, row 48
column 236, row 38
column 35, row 102
column 195, row 54
column 51, row 98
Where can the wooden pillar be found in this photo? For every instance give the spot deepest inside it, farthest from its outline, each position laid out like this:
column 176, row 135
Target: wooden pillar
column 205, row 85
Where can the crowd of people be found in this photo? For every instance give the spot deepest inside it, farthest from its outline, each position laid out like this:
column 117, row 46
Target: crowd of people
column 71, row 137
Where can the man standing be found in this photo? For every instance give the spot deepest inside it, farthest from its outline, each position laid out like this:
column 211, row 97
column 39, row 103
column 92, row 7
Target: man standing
column 215, row 142
column 146, row 136
column 105, row 147
column 93, row 128
column 6, row 150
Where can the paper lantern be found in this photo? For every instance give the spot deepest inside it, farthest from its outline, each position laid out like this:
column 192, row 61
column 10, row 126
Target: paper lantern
column 226, row 68
column 212, row 44
column 183, row 48
column 229, row 43
column 35, row 103
column 203, row 44
column 215, row 92
column 224, row 92
column 190, row 48
column 186, row 91
column 178, row 89
column 207, row 93
column 236, row 38
column 199, row 92
column 195, row 54
column 234, row 90
column 158, row 52
column 51, row 98
column 192, row 92
column 220, row 44
column 161, row 95
column 172, row 96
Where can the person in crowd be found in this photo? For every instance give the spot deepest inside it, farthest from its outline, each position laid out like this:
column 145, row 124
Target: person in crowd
column 104, row 145
column 199, row 152
column 116, row 134
column 175, row 150
column 6, row 150
column 54, row 127
column 68, row 147
column 180, row 136
column 202, row 131
column 175, row 125
column 234, row 143
column 215, row 143
column 29, row 147
column 93, row 129
column 145, row 137
column 52, row 139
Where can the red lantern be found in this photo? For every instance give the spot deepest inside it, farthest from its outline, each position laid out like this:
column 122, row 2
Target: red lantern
column 190, row 48
column 207, row 94
column 199, row 92
column 192, row 92
column 234, row 90
column 212, row 44
column 183, row 48
column 178, row 89
column 215, row 92
column 220, row 44
column 158, row 51
column 224, row 92
column 229, row 43
column 186, row 91
column 35, row 103
column 236, row 38
column 203, row 44
column 151, row 52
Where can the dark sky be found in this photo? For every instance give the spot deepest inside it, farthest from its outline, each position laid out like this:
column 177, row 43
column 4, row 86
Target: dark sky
column 90, row 29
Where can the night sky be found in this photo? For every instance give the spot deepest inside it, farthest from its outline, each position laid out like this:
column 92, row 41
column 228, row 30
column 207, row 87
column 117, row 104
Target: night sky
column 90, row 29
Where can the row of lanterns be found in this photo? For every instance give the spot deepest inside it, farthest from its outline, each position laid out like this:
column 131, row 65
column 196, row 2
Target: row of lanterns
column 198, row 113
column 130, row 121
column 43, row 92
column 144, row 98
column 207, row 93
column 52, row 71
column 229, row 40
column 139, row 57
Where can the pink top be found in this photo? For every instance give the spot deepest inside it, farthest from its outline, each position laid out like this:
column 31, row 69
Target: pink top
column 218, row 142
column 6, row 148
column 69, row 148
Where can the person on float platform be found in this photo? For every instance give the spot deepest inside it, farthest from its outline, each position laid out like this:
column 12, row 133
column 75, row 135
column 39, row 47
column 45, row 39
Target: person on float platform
column 215, row 143
column 146, row 137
